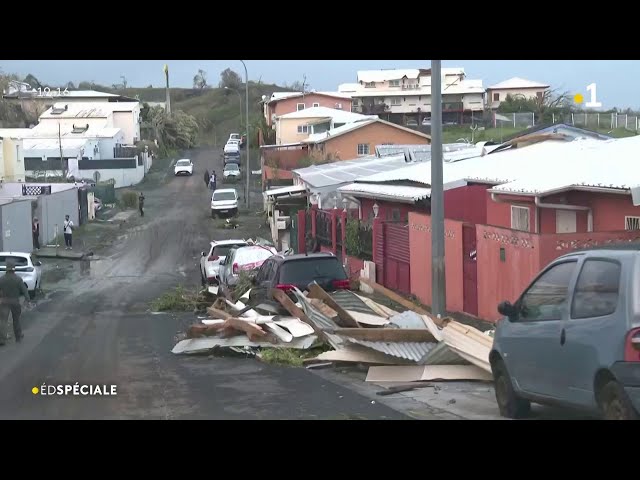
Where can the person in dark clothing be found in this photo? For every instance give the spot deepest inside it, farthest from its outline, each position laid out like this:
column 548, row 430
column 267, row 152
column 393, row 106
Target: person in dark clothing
column 35, row 231
column 141, row 204
column 212, row 181
column 206, row 177
column 11, row 287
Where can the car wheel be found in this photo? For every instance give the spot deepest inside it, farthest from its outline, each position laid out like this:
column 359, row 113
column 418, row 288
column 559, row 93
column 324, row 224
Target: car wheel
column 203, row 280
column 32, row 294
column 615, row 403
column 509, row 403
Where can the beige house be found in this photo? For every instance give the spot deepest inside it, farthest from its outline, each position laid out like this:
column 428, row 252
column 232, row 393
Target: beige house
column 297, row 126
column 515, row 86
column 12, row 154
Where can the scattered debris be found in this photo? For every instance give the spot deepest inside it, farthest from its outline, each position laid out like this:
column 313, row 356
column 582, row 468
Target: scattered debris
column 416, row 373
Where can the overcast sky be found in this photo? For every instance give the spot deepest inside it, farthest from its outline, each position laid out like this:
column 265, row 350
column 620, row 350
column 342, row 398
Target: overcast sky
column 617, row 80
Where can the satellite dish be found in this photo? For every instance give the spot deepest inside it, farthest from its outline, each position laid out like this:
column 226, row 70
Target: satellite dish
column 96, row 176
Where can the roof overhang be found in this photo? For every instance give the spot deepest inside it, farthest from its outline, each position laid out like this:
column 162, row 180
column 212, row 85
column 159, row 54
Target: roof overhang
column 569, row 188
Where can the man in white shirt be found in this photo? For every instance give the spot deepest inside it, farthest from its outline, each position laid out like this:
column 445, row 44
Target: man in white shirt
column 68, row 233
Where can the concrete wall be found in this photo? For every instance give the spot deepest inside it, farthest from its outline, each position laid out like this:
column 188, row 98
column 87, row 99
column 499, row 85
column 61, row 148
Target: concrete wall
column 467, row 204
column 11, row 160
column 287, row 130
column 130, row 125
column 290, row 105
column 526, row 92
column 123, row 177
column 15, row 229
column 51, row 211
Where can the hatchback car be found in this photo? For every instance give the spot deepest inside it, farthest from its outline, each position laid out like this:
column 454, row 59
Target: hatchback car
column 224, row 202
column 286, row 272
column 231, row 171
column 183, row 167
column 27, row 268
column 211, row 258
column 573, row 337
column 243, row 259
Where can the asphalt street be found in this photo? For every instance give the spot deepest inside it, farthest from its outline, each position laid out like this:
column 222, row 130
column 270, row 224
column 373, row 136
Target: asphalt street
column 98, row 330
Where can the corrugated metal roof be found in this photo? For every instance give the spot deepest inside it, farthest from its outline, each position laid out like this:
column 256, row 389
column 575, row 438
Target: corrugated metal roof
column 413, row 351
column 52, row 143
column 334, row 132
column 442, row 355
column 386, row 192
column 350, row 301
column 89, row 109
column 319, row 320
column 517, row 82
column 283, row 190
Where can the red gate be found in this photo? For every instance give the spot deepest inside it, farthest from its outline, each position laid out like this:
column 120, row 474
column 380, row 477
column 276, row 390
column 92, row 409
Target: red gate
column 394, row 252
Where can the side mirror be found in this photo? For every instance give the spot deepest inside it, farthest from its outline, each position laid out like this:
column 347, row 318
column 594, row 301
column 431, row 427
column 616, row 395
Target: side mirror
column 37, row 263
column 203, row 254
column 507, row 309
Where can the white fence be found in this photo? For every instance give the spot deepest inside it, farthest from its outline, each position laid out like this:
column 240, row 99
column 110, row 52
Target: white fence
column 611, row 121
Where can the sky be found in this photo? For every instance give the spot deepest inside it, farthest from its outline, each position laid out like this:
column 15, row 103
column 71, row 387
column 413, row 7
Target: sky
column 616, row 80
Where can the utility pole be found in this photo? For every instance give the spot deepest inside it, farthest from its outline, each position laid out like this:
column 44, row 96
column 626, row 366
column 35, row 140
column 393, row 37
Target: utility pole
column 64, row 176
column 438, row 279
column 248, row 172
column 168, row 100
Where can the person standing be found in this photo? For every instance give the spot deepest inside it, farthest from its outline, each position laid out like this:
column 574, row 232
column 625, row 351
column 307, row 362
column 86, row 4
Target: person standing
column 67, row 228
column 212, row 181
column 206, row 177
column 11, row 288
column 35, row 231
column 141, row 204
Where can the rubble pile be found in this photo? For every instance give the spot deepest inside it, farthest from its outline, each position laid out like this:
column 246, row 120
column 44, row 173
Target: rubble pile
column 407, row 346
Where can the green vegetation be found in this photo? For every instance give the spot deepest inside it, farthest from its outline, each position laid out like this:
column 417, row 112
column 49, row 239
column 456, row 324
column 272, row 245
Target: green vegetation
column 129, row 199
column 290, row 356
column 179, row 299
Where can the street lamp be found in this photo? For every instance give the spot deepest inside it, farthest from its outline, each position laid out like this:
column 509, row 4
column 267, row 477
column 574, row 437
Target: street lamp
column 376, row 210
column 246, row 85
column 239, row 98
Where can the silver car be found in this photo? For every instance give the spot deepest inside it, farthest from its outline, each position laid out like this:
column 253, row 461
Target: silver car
column 573, row 337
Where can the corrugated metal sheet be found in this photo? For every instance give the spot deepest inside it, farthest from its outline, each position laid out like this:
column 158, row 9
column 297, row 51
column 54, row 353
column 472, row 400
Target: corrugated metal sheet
column 350, row 301
column 319, row 320
column 397, row 242
column 408, row 319
column 413, row 351
column 441, row 354
column 390, row 192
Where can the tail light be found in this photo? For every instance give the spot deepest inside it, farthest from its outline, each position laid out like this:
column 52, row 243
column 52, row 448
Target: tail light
column 213, row 258
column 342, row 284
column 632, row 346
column 286, row 287
column 236, row 269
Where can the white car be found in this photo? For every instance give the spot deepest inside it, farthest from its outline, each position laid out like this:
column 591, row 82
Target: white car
column 231, row 170
column 233, row 147
column 28, row 269
column 183, row 167
column 235, row 136
column 211, row 259
column 224, row 202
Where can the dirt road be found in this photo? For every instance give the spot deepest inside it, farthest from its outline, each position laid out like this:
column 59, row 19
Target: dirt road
column 96, row 329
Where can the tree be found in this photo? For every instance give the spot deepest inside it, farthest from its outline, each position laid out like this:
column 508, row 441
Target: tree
column 33, row 81
column 124, row 81
column 544, row 106
column 70, row 86
column 299, row 86
column 200, row 80
column 230, row 79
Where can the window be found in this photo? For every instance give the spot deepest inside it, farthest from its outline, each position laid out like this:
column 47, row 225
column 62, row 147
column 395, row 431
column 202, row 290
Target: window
column 303, row 129
column 80, row 129
column 394, row 83
column 396, row 101
column 300, row 106
column 547, row 297
column 316, row 104
column 632, row 223
column 363, row 149
column 370, row 85
column 496, row 97
column 539, row 95
column 597, row 288
column 395, row 215
column 520, row 218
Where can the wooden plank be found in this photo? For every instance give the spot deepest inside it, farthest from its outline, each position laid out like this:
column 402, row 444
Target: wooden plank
column 296, row 311
column 346, row 320
column 387, row 334
column 217, row 313
column 417, row 373
column 399, row 300
column 323, row 308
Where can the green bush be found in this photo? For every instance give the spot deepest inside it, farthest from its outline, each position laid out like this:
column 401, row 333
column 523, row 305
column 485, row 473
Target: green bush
column 129, row 199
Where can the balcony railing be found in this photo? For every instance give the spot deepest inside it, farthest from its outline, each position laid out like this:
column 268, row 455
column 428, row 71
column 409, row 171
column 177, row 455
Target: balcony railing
column 411, row 87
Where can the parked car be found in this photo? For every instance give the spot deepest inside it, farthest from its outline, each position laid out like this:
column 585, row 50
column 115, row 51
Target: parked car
column 210, row 259
column 183, row 167
column 27, row 268
column 573, row 337
column 231, row 171
column 235, row 136
column 426, row 122
column 285, row 272
column 224, row 202
column 243, row 259
column 411, row 123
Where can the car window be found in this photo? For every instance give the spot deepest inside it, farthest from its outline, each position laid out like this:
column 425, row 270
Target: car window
column 263, row 273
column 306, row 270
column 221, row 196
column 597, row 289
column 223, row 250
column 231, row 166
column 546, row 299
column 183, row 163
column 17, row 261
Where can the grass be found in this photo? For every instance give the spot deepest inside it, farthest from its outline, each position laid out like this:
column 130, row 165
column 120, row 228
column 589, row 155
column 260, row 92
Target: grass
column 290, row 356
column 179, row 299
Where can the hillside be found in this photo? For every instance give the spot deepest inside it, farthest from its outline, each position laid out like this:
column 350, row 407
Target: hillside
column 217, row 110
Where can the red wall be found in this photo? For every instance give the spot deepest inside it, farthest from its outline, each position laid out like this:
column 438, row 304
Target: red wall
column 354, row 265
column 467, row 204
column 420, row 243
column 385, row 209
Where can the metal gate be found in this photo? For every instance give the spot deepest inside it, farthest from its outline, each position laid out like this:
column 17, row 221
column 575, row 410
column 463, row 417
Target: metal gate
column 83, row 206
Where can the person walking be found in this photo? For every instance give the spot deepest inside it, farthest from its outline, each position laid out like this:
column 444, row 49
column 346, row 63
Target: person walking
column 35, row 232
column 141, row 204
column 212, row 181
column 206, row 177
column 67, row 228
column 11, row 288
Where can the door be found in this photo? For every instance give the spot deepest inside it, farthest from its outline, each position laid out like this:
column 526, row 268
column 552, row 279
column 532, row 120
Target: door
column 469, row 270
column 532, row 341
column 566, row 221
column 593, row 334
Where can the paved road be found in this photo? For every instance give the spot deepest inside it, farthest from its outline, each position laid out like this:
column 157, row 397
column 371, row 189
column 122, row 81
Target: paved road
column 99, row 332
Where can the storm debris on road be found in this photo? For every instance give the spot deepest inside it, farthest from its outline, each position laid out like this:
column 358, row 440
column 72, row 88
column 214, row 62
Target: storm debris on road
column 316, row 327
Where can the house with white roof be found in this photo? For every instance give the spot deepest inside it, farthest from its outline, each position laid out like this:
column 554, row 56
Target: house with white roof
column 11, row 154
column 515, row 87
column 403, row 96
column 282, row 103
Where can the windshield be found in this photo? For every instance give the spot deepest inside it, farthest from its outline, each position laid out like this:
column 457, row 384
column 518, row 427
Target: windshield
column 231, row 166
column 306, row 270
column 223, row 250
column 17, row 262
column 217, row 196
column 183, row 163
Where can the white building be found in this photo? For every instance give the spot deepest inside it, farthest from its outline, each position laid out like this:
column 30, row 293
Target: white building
column 404, row 95
column 517, row 87
column 122, row 115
